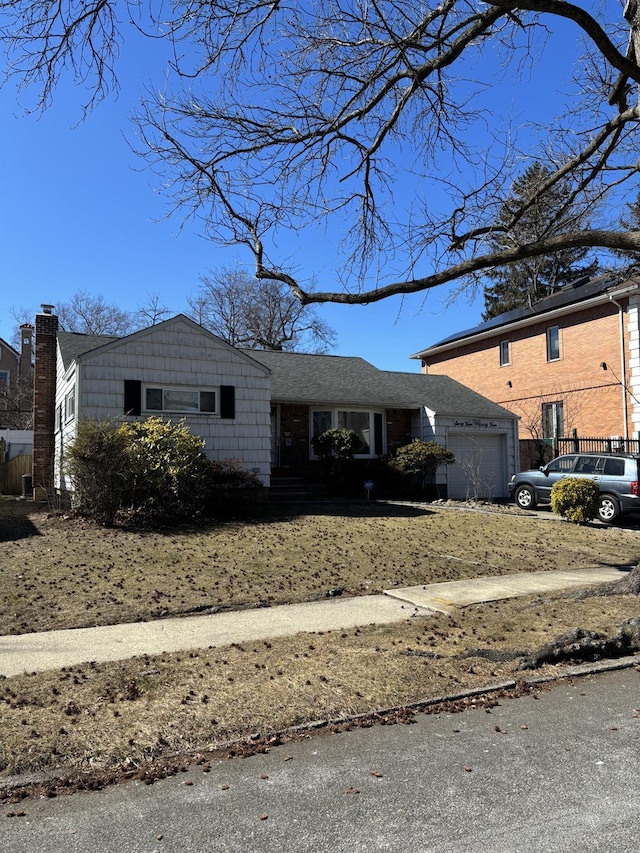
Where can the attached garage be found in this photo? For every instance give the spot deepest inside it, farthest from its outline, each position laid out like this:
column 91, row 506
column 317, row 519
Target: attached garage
column 480, row 468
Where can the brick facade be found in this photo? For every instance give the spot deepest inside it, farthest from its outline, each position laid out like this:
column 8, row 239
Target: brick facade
column 294, row 435
column 44, row 391
column 398, row 428
column 593, row 398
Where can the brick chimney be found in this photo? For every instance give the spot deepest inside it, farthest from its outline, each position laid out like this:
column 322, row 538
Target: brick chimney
column 44, row 401
column 26, row 348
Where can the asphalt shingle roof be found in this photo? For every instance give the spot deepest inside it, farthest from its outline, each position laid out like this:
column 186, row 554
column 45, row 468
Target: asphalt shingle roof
column 74, row 344
column 345, row 380
column 338, row 380
column 576, row 292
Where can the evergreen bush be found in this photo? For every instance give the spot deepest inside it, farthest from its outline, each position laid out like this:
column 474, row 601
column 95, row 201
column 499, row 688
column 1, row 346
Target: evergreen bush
column 575, row 499
column 153, row 470
column 421, row 459
column 98, row 462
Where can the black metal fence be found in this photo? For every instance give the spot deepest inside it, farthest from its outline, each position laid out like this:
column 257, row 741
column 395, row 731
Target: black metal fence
column 579, row 444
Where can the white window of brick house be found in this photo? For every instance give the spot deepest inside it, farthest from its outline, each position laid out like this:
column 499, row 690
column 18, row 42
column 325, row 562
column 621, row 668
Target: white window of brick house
column 505, row 353
column 553, row 420
column 553, row 343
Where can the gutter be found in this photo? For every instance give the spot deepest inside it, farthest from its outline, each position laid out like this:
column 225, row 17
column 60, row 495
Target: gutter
column 623, row 362
column 527, row 321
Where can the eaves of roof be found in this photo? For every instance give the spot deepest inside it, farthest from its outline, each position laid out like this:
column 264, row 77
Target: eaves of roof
column 546, row 310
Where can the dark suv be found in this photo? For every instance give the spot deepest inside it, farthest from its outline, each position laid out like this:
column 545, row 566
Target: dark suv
column 616, row 475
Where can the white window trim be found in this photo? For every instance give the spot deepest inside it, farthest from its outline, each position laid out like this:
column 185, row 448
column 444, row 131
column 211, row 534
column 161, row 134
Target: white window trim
column 70, row 404
column 186, row 412
column 553, row 411
column 548, row 342
column 334, row 425
column 507, row 344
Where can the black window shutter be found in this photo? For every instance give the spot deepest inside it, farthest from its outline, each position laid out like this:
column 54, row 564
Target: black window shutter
column 228, row 401
column 132, row 396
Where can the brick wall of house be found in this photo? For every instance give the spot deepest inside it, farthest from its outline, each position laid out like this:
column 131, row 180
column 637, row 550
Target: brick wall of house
column 295, row 439
column 593, row 398
column 294, row 436
column 44, row 390
column 398, row 428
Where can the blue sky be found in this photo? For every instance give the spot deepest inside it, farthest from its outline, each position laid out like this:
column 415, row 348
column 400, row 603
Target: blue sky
column 80, row 212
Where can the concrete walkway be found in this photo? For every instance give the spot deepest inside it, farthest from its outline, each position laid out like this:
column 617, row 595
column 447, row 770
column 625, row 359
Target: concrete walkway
column 54, row 649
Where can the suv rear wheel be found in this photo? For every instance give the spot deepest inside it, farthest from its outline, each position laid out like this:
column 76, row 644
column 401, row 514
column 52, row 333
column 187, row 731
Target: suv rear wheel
column 608, row 509
column 525, row 497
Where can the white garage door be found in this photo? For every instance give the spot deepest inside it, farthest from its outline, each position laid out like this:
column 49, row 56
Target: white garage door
column 479, row 469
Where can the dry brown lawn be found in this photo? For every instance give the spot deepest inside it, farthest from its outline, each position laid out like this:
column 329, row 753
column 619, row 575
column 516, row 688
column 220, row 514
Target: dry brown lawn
column 124, row 715
column 62, row 572
column 57, row 572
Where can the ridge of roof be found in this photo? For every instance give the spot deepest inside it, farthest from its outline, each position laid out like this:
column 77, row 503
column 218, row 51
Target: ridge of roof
column 74, row 345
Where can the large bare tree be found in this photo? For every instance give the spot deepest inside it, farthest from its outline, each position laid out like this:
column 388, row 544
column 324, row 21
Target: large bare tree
column 89, row 314
column 256, row 314
column 371, row 119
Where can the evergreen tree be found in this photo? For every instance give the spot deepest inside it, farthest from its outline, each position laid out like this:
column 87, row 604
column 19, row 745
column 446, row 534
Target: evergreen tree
column 525, row 282
column 631, row 221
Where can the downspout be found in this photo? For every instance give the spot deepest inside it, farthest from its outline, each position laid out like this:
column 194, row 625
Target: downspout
column 623, row 362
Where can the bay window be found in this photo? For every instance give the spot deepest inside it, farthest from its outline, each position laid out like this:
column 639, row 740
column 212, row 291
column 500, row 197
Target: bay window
column 368, row 426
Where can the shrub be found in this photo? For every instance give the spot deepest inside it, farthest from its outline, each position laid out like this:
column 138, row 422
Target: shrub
column 421, row 458
column 229, row 474
column 168, row 469
column 575, row 499
column 98, row 462
column 153, row 469
column 343, row 443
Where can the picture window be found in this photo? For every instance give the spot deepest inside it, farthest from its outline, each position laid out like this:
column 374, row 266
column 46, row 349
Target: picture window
column 181, row 400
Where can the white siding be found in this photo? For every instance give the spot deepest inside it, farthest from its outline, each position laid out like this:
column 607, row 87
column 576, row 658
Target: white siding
column 180, row 353
column 491, row 444
column 65, row 429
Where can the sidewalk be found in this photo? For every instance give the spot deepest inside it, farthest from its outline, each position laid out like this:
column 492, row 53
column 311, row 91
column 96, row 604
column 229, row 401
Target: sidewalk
column 54, row 649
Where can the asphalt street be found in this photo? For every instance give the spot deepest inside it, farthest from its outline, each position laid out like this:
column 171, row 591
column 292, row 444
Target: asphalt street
column 553, row 772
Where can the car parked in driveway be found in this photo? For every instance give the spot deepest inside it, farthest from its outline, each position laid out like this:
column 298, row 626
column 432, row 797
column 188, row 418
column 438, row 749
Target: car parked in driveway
column 617, row 476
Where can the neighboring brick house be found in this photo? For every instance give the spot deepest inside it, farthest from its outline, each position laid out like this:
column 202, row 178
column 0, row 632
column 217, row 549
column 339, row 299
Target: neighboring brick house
column 569, row 362
column 175, row 369
column 312, row 393
column 16, row 381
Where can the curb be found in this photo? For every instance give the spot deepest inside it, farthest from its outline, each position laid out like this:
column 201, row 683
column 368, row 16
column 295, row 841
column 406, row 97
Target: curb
column 263, row 742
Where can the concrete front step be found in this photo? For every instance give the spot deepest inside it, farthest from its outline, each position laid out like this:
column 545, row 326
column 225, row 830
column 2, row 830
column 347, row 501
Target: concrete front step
column 287, row 489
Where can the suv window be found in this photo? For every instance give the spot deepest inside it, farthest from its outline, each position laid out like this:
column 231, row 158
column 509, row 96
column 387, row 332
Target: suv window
column 590, row 465
column 564, row 464
column 614, row 467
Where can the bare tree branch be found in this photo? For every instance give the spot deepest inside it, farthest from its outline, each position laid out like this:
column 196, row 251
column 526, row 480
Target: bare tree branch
column 380, row 124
